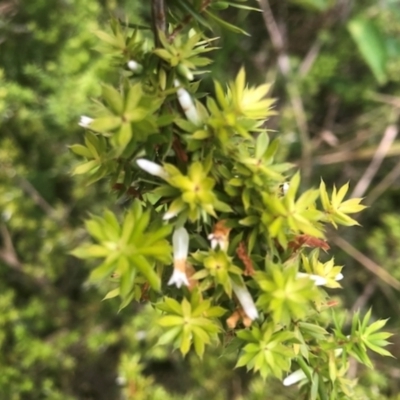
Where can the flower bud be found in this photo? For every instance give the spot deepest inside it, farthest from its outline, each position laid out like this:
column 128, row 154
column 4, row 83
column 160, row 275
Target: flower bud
column 180, row 244
column 134, row 66
column 187, row 104
column 245, row 300
column 152, row 168
column 85, row 121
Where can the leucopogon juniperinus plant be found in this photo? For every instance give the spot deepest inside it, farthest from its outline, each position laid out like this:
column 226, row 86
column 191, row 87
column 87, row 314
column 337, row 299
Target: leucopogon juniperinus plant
column 216, row 234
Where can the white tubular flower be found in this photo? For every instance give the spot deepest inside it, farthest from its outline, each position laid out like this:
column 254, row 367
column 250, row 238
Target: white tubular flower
column 134, row 66
column 85, row 121
column 170, row 214
column 294, row 377
column 180, row 243
column 285, row 188
column 245, row 300
column 219, row 236
column 338, row 352
column 299, row 374
column 152, row 168
column 187, row 104
column 318, row 280
column 339, row 277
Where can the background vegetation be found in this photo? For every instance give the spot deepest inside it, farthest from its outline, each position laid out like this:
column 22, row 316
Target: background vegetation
column 335, row 70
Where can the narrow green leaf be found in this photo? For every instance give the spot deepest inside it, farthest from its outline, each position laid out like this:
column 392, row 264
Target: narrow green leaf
column 146, row 269
column 85, row 167
column 371, row 44
column 225, row 24
column 113, row 99
column 194, row 13
column 111, row 294
column 81, row 151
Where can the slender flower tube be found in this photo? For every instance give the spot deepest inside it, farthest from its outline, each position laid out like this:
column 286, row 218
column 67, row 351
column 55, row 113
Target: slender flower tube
column 318, row 280
column 180, row 244
column 168, row 215
column 299, row 375
column 171, row 214
column 187, row 104
column 85, row 121
column 284, row 188
column 152, row 168
column 134, row 66
column 294, row 377
column 245, row 300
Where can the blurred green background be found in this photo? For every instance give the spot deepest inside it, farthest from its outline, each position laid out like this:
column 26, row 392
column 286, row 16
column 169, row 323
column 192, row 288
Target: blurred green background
column 335, row 65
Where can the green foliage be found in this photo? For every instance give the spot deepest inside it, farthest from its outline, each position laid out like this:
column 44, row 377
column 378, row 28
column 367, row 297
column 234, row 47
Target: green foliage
column 215, row 178
column 58, row 340
column 189, row 322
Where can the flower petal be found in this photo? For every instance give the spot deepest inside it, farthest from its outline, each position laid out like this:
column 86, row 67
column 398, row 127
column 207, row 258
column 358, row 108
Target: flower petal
column 180, row 243
column 85, row 121
column 178, row 278
column 187, row 104
column 294, row 377
column 152, row 168
column 318, row 280
column 134, row 66
column 245, row 300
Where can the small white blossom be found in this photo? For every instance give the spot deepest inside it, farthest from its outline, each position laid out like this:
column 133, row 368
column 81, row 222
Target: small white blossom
column 338, row 352
column 339, row 277
column 245, row 300
column 187, row 104
column 180, row 244
column 285, row 188
column 318, row 280
column 299, row 374
column 121, row 380
column 85, row 121
column 152, row 168
column 220, row 236
column 215, row 241
column 170, row 214
column 294, row 377
column 134, row 66
column 178, row 278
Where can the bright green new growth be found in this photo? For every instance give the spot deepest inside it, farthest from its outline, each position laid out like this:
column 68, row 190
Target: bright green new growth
column 246, row 279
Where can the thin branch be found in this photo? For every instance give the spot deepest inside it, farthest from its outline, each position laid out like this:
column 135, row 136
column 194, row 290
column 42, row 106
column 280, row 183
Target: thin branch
column 159, row 18
column 8, row 253
column 283, row 62
column 310, row 58
column 28, row 188
column 387, row 140
column 363, row 299
column 366, row 262
column 383, row 185
column 186, row 20
column 362, row 154
column 9, row 256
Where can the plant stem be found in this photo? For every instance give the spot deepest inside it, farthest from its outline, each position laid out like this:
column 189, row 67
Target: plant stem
column 159, row 19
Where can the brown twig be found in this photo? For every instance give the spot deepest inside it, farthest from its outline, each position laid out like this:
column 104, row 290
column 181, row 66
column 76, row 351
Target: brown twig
column 28, row 188
column 366, row 262
column 159, row 18
column 363, row 299
column 387, row 140
column 283, row 62
column 382, row 186
column 9, row 256
column 362, row 154
column 8, row 253
column 186, row 20
column 310, row 58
